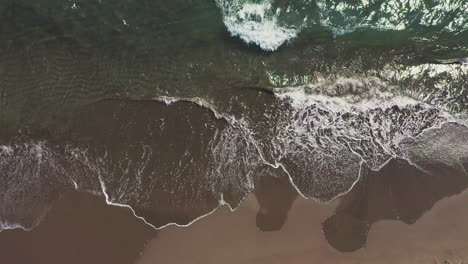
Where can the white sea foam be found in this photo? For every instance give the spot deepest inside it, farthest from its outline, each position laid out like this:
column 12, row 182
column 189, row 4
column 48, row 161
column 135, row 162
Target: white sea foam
column 39, row 170
column 256, row 23
column 442, row 85
column 259, row 22
column 336, row 119
column 344, row 94
column 109, row 201
column 347, row 119
column 166, row 100
column 299, row 99
column 5, row 225
column 322, row 152
column 7, row 150
column 341, row 17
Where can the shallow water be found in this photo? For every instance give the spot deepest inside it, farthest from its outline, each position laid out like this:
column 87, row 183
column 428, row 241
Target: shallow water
column 172, row 109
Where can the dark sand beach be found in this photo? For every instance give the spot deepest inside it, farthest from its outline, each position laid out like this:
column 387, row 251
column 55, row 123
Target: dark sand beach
column 371, row 224
column 80, row 228
column 231, row 237
column 383, row 220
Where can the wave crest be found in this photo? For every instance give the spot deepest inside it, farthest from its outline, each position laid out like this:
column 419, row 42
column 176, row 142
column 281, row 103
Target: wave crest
column 255, row 23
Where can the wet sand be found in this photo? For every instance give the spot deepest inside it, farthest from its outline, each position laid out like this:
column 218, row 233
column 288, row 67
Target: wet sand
column 80, row 228
column 232, row 237
column 397, row 215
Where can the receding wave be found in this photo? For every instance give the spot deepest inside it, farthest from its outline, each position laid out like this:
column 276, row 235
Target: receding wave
column 321, row 146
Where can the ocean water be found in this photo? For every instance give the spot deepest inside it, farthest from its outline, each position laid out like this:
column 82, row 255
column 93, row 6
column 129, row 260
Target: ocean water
column 174, row 108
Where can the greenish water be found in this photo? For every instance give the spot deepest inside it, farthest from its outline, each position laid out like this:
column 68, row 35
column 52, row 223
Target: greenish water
column 81, row 51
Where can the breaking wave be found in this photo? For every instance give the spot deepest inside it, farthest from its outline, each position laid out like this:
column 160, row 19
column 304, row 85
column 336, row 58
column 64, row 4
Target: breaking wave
column 342, row 17
column 269, row 23
column 256, row 23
